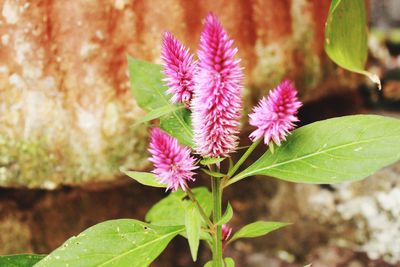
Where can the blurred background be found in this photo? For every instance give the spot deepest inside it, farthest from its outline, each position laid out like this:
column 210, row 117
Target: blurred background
column 66, row 111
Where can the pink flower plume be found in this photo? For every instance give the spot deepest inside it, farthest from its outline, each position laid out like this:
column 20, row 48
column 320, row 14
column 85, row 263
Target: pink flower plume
column 179, row 68
column 275, row 115
column 216, row 105
column 173, row 163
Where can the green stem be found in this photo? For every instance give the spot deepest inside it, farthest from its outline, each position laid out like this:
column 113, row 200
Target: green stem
column 217, row 203
column 200, row 208
column 234, row 180
column 243, row 158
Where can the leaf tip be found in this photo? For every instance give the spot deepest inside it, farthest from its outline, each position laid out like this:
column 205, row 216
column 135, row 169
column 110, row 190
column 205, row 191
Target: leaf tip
column 123, row 169
column 375, row 79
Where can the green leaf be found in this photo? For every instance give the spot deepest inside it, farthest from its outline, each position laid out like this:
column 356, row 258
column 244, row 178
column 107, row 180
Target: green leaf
column 346, row 36
column 193, row 228
column 148, row 88
column 331, row 151
column 257, row 229
column 271, row 147
column 209, row 161
column 213, row 173
column 179, row 125
column 227, row 215
column 149, row 92
column 229, row 262
column 171, row 209
column 145, row 178
column 230, row 163
column 157, row 113
column 20, row 260
column 121, row 242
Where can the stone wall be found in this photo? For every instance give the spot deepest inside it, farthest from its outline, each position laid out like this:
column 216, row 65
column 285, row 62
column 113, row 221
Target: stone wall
column 65, row 105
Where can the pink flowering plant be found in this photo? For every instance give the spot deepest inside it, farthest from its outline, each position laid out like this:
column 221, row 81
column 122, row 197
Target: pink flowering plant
column 195, row 107
column 198, row 104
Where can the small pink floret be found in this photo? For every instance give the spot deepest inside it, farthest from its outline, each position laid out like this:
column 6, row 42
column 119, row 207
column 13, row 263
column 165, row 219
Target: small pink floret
column 275, row 115
column 217, row 104
column 173, row 164
column 226, row 232
column 179, row 69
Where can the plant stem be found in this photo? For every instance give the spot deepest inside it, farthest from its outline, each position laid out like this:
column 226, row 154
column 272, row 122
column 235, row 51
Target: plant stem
column 200, row 208
column 217, row 202
column 243, row 158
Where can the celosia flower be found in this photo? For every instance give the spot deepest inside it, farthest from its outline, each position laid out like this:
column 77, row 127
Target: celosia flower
column 216, row 105
column 179, row 68
column 275, row 116
column 226, row 232
column 173, row 162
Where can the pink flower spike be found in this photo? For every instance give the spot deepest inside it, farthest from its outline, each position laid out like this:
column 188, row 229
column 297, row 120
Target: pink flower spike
column 275, row 116
column 217, row 104
column 173, row 163
column 179, row 68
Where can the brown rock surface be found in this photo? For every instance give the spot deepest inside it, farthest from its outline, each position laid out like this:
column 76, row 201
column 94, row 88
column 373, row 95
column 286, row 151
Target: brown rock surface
column 65, row 105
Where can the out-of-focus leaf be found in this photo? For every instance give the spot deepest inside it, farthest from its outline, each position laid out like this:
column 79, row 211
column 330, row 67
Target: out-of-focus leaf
column 346, row 40
column 20, row 260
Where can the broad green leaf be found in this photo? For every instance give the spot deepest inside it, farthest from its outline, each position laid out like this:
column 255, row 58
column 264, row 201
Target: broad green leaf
column 20, row 260
column 209, row 161
column 145, row 178
column 149, row 92
column 171, row 209
column 332, row 151
column 179, row 124
column 213, row 173
column 229, row 262
column 193, row 228
column 157, row 113
column 148, row 88
column 257, row 229
column 346, row 36
column 121, row 242
column 227, row 215
column 208, row 264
